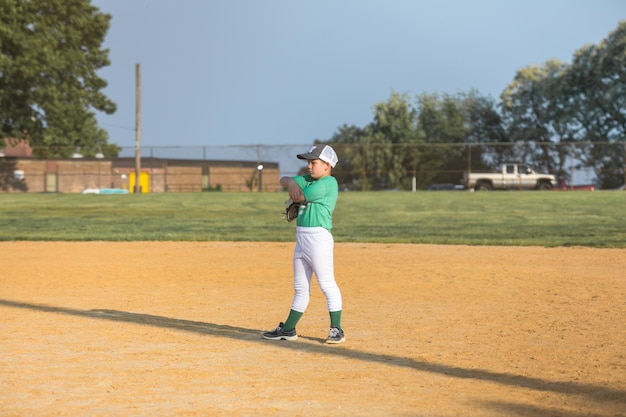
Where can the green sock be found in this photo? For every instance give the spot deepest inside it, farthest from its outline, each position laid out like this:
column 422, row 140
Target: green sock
column 292, row 320
column 335, row 319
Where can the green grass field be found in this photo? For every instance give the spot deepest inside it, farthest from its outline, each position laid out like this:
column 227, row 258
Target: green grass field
column 593, row 219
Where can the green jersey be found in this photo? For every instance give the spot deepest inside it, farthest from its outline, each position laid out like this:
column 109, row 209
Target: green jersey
column 321, row 198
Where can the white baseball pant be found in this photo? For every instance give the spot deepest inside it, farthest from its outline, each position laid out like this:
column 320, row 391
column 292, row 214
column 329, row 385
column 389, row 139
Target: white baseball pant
column 314, row 255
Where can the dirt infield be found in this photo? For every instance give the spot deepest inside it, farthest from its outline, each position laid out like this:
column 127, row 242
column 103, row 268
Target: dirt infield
column 170, row 328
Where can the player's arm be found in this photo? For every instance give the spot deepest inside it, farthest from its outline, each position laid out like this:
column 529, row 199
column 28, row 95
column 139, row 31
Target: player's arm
column 293, row 189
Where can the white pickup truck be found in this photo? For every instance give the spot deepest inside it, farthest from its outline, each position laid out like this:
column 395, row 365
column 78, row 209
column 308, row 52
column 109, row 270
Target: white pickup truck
column 509, row 177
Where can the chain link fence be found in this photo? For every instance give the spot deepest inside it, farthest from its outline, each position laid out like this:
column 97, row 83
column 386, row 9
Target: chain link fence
column 422, row 166
column 361, row 166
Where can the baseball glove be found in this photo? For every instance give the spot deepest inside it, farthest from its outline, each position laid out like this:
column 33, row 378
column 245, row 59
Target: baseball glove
column 291, row 210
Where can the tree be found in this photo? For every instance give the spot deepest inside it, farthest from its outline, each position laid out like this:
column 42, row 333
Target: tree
column 534, row 109
column 597, row 85
column 349, row 171
column 582, row 104
column 387, row 159
column 443, row 121
column 50, row 51
column 486, row 126
column 373, row 158
column 380, row 155
column 426, row 141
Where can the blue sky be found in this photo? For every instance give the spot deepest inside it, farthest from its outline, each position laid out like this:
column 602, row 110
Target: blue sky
column 243, row 72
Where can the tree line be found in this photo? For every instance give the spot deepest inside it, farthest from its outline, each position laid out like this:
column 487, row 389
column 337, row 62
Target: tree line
column 51, row 50
column 543, row 110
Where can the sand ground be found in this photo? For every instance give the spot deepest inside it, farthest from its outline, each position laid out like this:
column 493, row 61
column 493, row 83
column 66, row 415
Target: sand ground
column 173, row 329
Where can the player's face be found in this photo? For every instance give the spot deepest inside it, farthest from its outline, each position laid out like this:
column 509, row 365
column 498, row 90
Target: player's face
column 318, row 168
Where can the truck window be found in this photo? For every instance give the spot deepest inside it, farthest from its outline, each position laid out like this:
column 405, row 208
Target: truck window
column 509, row 169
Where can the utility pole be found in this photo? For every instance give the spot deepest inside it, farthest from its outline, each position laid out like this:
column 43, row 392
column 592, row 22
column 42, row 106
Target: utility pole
column 137, row 128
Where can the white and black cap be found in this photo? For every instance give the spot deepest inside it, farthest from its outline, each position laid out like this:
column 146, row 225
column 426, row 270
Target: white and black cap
column 323, row 152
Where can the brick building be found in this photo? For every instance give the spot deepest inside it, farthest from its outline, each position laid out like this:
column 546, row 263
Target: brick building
column 20, row 172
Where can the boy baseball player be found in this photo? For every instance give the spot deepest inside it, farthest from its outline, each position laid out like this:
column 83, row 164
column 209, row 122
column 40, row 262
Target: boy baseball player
column 317, row 192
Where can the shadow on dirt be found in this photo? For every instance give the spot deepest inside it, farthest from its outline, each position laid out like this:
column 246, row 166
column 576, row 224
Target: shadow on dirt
column 590, row 391
column 512, row 409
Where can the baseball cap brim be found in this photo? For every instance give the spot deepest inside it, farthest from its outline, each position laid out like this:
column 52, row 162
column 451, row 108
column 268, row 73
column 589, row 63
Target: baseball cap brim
column 308, row 155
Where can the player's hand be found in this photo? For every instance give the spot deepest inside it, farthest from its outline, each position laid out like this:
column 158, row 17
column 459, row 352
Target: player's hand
column 295, row 192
